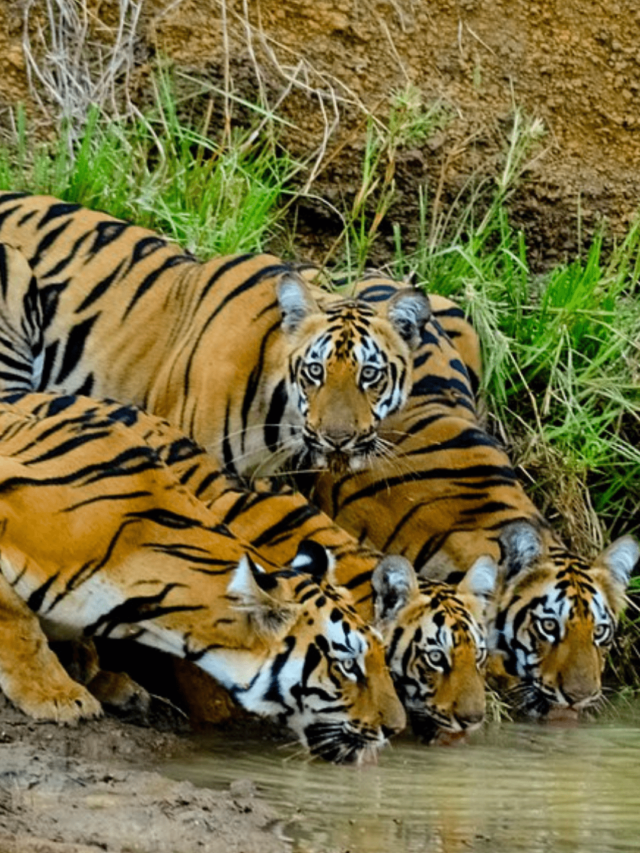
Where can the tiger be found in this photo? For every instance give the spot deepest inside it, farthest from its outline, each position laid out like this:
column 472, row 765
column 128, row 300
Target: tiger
column 99, row 539
column 433, row 632
column 450, row 494
column 253, row 361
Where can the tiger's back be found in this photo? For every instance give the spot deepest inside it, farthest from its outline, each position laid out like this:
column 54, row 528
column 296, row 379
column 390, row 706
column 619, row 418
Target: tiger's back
column 240, row 352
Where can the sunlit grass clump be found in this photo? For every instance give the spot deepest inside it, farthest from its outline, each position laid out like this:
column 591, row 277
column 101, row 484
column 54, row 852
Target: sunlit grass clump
column 210, row 195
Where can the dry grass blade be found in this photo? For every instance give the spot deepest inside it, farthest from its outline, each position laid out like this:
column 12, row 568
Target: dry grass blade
column 71, row 68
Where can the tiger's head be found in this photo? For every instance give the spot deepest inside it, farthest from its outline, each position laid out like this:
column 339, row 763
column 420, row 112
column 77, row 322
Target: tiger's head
column 349, row 366
column 322, row 670
column 436, row 646
column 556, row 617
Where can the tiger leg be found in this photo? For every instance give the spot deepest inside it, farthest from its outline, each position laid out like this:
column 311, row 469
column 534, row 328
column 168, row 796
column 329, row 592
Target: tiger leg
column 31, row 675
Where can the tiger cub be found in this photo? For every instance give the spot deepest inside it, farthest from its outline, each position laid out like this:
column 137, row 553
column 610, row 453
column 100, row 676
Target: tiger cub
column 263, row 369
column 448, row 494
column 433, row 632
column 98, row 538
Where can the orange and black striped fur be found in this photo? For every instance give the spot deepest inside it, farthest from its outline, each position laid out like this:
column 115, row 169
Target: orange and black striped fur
column 262, row 369
column 433, row 632
column 448, row 494
column 99, row 538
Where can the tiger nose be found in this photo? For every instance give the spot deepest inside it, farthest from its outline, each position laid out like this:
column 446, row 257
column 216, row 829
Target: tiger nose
column 389, row 731
column 339, row 438
column 471, row 719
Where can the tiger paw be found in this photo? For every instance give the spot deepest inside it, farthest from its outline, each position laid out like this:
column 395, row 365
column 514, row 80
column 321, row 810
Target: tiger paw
column 67, row 703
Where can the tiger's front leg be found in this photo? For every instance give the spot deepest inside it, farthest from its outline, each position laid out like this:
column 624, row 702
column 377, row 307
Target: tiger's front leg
column 31, row 675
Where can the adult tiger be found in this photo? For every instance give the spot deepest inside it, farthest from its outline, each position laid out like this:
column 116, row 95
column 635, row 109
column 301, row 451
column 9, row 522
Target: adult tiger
column 433, row 632
column 450, row 494
column 98, row 538
column 240, row 352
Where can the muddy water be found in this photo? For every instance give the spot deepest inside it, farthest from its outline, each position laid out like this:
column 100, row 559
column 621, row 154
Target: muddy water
column 512, row 788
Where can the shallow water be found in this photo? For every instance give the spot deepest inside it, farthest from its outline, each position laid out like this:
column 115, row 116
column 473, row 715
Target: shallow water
column 514, row 787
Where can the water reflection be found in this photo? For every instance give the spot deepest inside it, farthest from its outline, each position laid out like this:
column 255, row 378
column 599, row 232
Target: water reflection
column 513, row 788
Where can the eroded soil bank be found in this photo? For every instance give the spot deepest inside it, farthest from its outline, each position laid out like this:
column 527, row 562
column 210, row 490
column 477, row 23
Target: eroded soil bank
column 93, row 788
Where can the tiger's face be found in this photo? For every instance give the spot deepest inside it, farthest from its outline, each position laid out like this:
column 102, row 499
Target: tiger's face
column 349, row 367
column 556, row 620
column 325, row 675
column 436, row 645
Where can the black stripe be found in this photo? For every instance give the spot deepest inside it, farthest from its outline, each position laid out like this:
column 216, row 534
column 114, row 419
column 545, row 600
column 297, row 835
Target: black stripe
column 64, row 262
column 166, row 518
column 74, row 349
column 227, row 450
column 138, row 609
column 253, row 383
column 34, row 602
column 60, row 208
column 5, row 214
column 274, row 416
column 4, row 272
column 499, row 474
column 431, row 385
column 291, row 521
column 47, row 241
column 106, row 232
column 151, row 279
column 101, row 287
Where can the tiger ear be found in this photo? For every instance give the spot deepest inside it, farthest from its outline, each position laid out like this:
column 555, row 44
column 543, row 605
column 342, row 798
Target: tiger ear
column 249, row 591
column 314, row 559
column 520, row 546
column 295, row 301
column 408, row 310
column 394, row 585
column 479, row 586
column 616, row 563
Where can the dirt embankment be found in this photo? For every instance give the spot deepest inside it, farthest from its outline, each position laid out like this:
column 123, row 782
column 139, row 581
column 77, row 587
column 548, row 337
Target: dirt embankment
column 81, row 790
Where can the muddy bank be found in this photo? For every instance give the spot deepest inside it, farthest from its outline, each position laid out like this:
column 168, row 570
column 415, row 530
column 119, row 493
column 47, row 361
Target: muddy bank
column 94, row 788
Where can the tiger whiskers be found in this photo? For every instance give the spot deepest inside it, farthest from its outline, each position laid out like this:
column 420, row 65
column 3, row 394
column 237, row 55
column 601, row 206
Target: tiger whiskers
column 267, row 462
column 527, row 698
column 338, row 742
column 388, row 462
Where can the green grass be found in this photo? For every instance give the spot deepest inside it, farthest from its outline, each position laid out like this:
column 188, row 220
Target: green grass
column 211, row 196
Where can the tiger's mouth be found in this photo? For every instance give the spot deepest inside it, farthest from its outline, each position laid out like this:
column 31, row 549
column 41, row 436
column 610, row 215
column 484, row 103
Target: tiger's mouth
column 532, row 701
column 341, row 743
column 432, row 727
column 340, row 459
